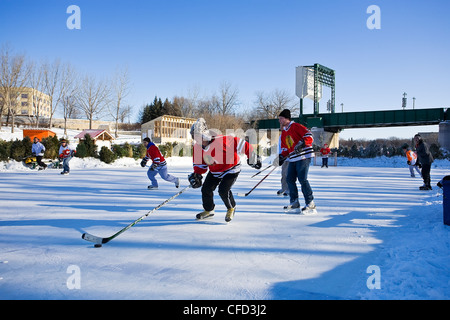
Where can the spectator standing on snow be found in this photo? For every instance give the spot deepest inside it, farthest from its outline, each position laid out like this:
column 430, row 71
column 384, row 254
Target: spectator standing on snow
column 38, row 149
column 66, row 153
column 411, row 160
column 159, row 165
column 425, row 159
column 325, row 151
column 219, row 154
column 296, row 147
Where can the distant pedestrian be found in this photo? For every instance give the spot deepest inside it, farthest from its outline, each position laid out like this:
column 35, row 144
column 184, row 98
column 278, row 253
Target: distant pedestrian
column 411, row 160
column 159, row 165
column 38, row 149
column 325, row 151
column 66, row 153
column 426, row 159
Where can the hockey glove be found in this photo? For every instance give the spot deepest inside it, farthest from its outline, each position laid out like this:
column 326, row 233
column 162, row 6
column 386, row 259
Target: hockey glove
column 153, row 166
column 195, row 180
column 254, row 161
column 299, row 147
column 143, row 163
column 281, row 159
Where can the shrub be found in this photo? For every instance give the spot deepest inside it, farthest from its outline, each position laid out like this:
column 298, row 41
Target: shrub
column 139, row 151
column 124, row 150
column 106, row 155
column 51, row 145
column 5, row 148
column 87, row 148
column 19, row 149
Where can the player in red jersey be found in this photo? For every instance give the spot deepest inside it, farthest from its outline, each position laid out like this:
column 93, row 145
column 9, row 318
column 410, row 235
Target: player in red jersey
column 159, row 165
column 219, row 154
column 296, row 148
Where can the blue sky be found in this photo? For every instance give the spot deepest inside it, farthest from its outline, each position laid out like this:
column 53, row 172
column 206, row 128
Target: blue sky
column 171, row 47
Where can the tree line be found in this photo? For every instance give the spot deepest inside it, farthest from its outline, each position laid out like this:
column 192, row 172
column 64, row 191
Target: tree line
column 220, row 109
column 361, row 148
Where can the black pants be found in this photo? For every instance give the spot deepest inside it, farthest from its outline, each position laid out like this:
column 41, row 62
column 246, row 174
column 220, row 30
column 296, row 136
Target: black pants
column 426, row 168
column 39, row 161
column 225, row 193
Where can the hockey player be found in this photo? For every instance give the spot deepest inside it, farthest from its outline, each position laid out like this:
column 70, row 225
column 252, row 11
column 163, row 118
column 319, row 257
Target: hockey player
column 296, row 147
column 38, row 149
column 159, row 165
column 66, row 153
column 411, row 160
column 219, row 154
column 325, row 151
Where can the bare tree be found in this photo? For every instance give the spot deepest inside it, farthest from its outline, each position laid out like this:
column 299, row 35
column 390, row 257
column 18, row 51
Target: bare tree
column 93, row 97
column 36, row 82
column 227, row 100
column 120, row 88
column 13, row 76
column 57, row 77
column 269, row 106
column 69, row 96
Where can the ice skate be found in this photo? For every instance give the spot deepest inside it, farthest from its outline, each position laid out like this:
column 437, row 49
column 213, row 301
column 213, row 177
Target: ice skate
column 292, row 206
column 309, row 209
column 150, row 187
column 205, row 215
column 230, row 214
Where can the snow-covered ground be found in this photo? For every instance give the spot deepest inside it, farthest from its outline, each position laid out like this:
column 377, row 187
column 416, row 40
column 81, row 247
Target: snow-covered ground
column 376, row 236
column 372, row 224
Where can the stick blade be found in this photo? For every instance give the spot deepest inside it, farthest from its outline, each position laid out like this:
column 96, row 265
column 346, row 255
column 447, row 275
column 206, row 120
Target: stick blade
column 241, row 194
column 89, row 237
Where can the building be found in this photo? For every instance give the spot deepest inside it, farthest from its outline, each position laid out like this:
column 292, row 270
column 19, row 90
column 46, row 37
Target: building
column 38, row 133
column 30, row 102
column 101, row 137
column 168, row 129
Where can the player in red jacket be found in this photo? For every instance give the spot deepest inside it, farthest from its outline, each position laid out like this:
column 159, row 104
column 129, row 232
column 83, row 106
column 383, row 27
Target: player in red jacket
column 296, row 148
column 325, row 151
column 219, row 154
column 159, row 165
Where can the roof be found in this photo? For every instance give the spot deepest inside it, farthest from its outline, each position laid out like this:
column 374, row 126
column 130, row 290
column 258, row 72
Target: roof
column 95, row 134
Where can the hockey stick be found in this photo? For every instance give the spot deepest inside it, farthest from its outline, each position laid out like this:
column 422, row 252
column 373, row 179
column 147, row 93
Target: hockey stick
column 100, row 240
column 261, row 171
column 246, row 194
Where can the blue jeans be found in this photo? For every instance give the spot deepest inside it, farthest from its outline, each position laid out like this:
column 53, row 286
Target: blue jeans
column 162, row 171
column 299, row 170
column 66, row 161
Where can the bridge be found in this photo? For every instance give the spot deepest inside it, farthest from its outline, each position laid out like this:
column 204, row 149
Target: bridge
column 336, row 122
column 333, row 123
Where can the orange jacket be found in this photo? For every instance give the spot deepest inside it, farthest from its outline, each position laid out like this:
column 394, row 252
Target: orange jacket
column 411, row 156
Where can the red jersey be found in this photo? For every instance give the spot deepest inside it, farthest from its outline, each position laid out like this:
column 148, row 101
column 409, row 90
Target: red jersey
column 221, row 156
column 154, row 154
column 290, row 136
column 325, row 152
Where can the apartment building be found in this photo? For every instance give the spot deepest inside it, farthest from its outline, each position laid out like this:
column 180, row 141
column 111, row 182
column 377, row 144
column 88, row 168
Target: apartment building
column 29, row 102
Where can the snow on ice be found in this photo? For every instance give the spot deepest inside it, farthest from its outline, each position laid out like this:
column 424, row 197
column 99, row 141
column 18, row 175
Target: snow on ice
column 376, row 235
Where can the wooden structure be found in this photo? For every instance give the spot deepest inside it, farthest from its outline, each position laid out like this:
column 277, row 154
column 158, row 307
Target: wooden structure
column 101, row 137
column 38, row 133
